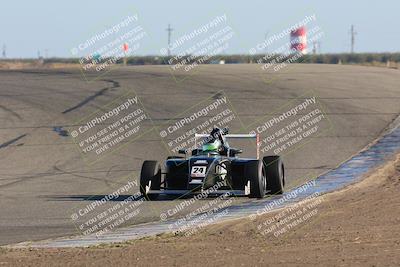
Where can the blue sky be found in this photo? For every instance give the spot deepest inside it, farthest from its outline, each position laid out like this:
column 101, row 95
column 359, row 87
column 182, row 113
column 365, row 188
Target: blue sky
column 29, row 26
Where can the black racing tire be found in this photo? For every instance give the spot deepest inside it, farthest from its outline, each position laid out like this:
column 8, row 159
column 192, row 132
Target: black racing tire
column 255, row 172
column 275, row 171
column 151, row 172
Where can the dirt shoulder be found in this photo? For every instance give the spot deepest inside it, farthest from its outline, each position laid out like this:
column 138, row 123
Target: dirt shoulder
column 35, row 64
column 357, row 226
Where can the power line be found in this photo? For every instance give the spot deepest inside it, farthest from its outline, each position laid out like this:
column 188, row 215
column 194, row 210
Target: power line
column 169, row 30
column 4, row 51
column 316, row 47
column 314, row 50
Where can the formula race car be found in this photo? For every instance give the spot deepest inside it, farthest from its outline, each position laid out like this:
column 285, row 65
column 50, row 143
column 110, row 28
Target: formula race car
column 216, row 167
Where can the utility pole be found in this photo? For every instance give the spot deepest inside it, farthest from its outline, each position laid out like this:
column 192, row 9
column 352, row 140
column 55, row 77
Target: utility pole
column 169, row 30
column 314, row 49
column 4, row 51
column 353, row 34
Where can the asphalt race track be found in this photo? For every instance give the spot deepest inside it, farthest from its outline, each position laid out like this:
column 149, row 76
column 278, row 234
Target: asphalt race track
column 44, row 180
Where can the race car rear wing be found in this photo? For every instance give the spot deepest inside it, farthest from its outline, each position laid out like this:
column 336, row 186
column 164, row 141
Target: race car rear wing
column 237, row 136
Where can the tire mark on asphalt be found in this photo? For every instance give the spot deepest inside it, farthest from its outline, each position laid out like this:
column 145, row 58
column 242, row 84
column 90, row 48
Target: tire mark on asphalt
column 115, row 84
column 21, row 179
column 11, row 111
column 12, row 141
column 105, row 181
column 23, row 175
column 59, row 172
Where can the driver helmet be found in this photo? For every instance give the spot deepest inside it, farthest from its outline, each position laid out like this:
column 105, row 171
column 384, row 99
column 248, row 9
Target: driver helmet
column 212, row 145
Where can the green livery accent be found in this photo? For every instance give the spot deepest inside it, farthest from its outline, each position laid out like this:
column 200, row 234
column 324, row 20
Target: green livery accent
column 214, row 146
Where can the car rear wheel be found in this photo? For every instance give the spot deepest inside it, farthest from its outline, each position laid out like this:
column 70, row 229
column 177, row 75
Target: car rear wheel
column 275, row 174
column 255, row 172
column 150, row 179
